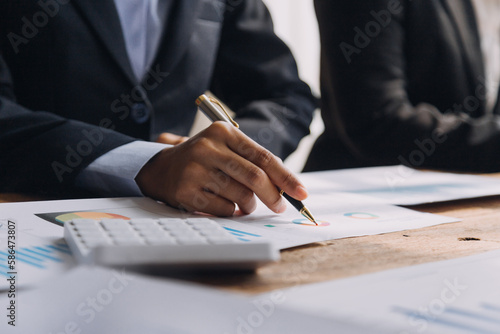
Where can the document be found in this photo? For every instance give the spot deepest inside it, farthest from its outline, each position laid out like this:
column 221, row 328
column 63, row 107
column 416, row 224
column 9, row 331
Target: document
column 40, row 252
column 455, row 296
column 32, row 247
column 401, row 185
column 339, row 215
column 100, row 300
column 27, row 260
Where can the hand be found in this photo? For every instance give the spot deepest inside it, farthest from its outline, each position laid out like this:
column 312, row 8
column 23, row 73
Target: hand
column 215, row 170
column 170, row 138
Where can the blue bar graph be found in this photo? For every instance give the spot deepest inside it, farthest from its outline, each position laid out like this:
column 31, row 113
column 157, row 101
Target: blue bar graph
column 242, row 235
column 37, row 256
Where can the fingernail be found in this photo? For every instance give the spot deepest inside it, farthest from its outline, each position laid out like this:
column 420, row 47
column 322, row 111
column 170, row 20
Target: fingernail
column 282, row 206
column 302, row 192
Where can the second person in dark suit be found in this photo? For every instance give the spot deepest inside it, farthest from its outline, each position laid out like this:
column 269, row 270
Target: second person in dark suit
column 406, row 82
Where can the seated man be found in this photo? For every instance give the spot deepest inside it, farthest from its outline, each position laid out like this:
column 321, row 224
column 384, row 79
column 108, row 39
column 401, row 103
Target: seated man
column 409, row 82
column 82, row 81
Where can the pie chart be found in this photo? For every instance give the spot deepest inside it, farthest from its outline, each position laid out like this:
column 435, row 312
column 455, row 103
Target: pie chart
column 306, row 222
column 88, row 215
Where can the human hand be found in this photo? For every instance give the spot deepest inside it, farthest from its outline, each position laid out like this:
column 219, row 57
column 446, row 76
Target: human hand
column 171, row 139
column 216, row 169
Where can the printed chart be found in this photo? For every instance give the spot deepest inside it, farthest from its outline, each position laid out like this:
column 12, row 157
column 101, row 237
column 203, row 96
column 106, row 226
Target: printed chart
column 339, row 216
column 446, row 297
column 59, row 218
column 35, row 259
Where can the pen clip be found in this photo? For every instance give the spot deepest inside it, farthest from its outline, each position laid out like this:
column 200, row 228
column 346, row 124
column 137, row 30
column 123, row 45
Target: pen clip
column 215, row 101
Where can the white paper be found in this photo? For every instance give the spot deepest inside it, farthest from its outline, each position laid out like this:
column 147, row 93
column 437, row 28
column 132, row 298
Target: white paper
column 401, row 185
column 340, row 215
column 40, row 250
column 98, row 300
column 32, row 260
column 455, row 296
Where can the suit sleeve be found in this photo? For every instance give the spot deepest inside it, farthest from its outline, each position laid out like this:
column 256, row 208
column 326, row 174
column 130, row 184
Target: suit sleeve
column 41, row 152
column 366, row 102
column 256, row 75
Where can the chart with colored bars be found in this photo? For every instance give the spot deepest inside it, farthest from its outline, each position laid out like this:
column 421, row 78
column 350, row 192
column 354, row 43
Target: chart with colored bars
column 36, row 259
column 242, row 235
column 39, row 257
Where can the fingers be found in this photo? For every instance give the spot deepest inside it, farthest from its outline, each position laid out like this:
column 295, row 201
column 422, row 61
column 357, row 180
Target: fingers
column 253, row 178
column 254, row 167
column 217, row 192
column 216, row 170
column 231, row 190
column 207, row 202
column 170, row 138
column 271, row 165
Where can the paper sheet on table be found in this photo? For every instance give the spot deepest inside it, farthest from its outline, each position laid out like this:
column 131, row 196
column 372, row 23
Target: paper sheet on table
column 341, row 215
column 401, row 185
column 30, row 259
column 99, row 300
column 455, row 296
column 40, row 250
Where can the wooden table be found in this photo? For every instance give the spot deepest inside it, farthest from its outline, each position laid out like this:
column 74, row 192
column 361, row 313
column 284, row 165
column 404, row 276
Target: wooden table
column 479, row 231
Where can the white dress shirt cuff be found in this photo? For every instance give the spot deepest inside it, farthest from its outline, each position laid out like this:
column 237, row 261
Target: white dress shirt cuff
column 113, row 174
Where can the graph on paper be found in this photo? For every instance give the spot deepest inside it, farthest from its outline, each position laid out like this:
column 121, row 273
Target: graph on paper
column 242, row 235
column 36, row 259
column 483, row 318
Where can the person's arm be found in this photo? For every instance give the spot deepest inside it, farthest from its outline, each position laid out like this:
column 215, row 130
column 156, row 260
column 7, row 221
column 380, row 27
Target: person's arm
column 42, row 152
column 113, row 174
column 366, row 100
column 216, row 169
column 220, row 167
column 256, row 76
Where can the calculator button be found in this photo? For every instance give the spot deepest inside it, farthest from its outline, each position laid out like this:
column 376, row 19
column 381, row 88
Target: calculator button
column 83, row 223
column 143, row 221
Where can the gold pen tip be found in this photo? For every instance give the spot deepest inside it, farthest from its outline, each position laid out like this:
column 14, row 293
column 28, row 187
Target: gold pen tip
column 306, row 213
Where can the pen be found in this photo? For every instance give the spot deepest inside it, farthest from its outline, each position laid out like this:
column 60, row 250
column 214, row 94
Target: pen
column 215, row 111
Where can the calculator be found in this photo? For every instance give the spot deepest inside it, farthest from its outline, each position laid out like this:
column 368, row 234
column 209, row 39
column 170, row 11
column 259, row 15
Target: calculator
column 168, row 242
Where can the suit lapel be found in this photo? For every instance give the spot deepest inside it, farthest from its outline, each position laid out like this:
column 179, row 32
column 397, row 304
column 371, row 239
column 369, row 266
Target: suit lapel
column 103, row 18
column 462, row 14
column 177, row 34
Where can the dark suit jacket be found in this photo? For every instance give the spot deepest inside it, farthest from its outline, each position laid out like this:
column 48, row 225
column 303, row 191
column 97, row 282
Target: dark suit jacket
column 409, row 91
column 68, row 61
